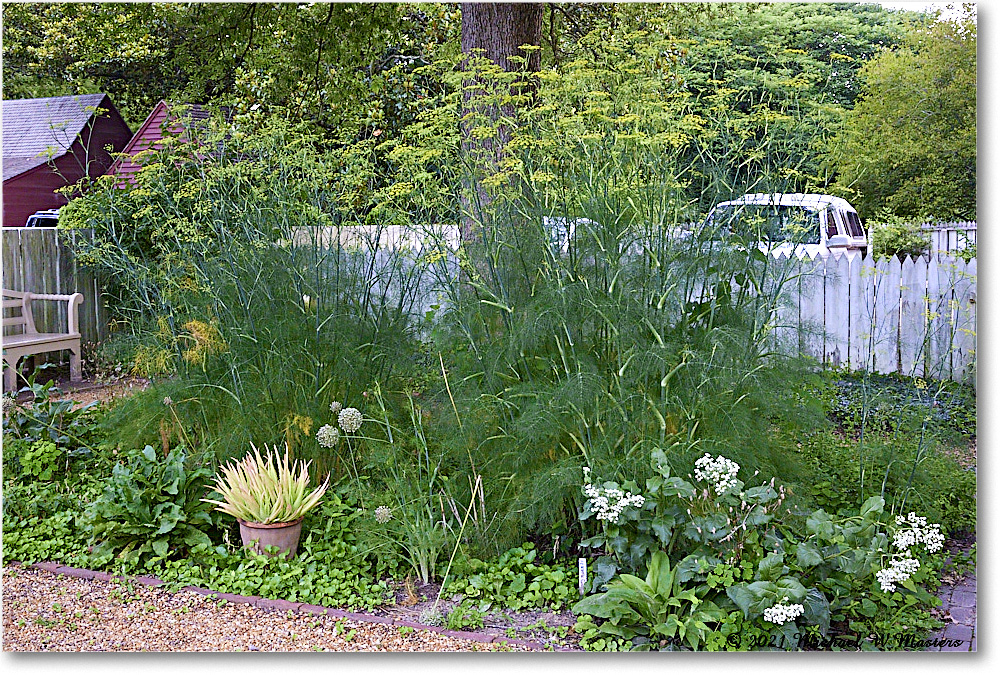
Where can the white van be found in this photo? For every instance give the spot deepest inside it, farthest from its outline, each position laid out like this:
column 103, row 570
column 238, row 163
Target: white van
column 49, row 218
column 797, row 224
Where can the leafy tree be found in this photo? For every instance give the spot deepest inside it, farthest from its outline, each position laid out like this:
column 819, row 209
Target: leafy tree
column 342, row 66
column 909, row 145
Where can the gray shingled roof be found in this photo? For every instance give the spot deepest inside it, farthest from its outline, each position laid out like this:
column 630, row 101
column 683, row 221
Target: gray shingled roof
column 38, row 129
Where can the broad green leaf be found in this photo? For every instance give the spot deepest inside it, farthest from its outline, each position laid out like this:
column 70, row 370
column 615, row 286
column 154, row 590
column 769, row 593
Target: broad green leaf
column 742, row 596
column 872, row 506
column 160, row 547
column 807, row 555
column 771, row 567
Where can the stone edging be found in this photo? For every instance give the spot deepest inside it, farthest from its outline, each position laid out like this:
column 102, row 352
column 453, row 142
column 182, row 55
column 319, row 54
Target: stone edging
column 288, row 606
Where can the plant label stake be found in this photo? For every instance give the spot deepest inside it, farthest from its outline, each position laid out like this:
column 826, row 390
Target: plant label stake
column 582, row 566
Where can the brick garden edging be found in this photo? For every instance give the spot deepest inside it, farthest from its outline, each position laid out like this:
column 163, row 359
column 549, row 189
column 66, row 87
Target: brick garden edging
column 288, row 606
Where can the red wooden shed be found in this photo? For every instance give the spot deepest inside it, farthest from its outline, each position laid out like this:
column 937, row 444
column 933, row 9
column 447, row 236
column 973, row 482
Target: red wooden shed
column 49, row 143
column 166, row 118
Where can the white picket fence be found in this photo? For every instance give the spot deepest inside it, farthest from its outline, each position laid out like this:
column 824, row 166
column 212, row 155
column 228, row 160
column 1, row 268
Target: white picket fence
column 950, row 237
column 916, row 317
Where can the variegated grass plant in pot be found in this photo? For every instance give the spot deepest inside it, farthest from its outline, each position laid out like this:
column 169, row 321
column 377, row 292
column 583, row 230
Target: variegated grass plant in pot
column 269, row 497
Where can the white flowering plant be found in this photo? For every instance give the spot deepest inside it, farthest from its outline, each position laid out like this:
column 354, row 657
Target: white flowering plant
column 808, row 577
column 788, row 573
column 912, row 533
column 634, row 523
column 625, row 518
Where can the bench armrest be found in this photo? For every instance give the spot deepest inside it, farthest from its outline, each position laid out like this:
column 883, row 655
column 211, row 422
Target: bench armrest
column 72, row 312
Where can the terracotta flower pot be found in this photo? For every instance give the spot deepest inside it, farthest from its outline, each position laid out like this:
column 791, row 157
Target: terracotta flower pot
column 285, row 536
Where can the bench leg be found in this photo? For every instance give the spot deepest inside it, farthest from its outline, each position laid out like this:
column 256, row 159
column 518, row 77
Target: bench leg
column 75, row 373
column 10, row 376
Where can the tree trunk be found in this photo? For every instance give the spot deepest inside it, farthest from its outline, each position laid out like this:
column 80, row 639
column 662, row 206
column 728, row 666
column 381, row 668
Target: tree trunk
column 499, row 30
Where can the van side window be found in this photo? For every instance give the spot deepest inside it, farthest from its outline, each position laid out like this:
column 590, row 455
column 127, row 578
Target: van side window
column 831, row 223
column 854, row 224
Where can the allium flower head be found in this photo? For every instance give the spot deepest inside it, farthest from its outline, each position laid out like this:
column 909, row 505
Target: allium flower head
column 168, row 401
column 336, row 407
column 9, row 403
column 383, row 514
column 327, row 436
column 350, row 420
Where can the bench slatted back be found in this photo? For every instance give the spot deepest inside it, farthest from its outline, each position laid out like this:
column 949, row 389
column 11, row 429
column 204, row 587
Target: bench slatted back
column 17, row 312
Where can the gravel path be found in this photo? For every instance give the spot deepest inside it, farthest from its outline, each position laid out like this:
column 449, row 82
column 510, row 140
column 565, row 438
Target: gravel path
column 48, row 612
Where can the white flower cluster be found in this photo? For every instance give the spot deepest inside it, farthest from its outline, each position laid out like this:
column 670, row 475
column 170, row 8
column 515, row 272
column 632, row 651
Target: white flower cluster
column 781, row 613
column 899, row 570
column 383, row 514
column 918, row 532
column 335, row 407
column 350, row 419
column 913, row 530
column 608, row 503
column 719, row 471
column 327, row 436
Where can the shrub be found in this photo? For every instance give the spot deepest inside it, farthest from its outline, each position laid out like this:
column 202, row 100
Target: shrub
column 150, row 506
column 897, row 238
column 266, row 303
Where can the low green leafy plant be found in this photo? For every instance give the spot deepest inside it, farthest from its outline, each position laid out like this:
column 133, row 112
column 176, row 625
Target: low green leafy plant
column 60, row 422
column 52, row 538
column 656, row 613
column 266, row 490
column 41, row 461
column 464, row 615
column 327, row 572
column 29, row 498
column 150, row 506
column 515, row 581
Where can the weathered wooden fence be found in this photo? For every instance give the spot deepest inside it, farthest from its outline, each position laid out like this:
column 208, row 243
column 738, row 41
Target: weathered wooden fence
column 950, row 237
column 916, row 317
column 36, row 259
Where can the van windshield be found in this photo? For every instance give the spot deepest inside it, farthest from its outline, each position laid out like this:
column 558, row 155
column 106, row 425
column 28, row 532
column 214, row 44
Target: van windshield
column 767, row 222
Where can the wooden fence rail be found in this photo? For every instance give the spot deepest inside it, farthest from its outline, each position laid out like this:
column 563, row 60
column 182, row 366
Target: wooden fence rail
column 37, row 259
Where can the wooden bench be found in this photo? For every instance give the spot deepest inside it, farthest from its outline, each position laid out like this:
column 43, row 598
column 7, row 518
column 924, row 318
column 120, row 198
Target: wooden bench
column 29, row 341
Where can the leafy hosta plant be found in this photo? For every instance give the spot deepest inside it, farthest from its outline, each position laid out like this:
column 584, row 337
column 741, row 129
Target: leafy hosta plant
column 658, row 612
column 265, row 489
column 149, row 506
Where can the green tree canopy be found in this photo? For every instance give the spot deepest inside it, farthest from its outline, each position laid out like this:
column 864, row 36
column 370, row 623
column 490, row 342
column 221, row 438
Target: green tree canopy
column 325, row 63
column 909, row 145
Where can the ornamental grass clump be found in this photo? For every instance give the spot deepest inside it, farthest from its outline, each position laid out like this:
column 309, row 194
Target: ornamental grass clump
column 266, row 490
